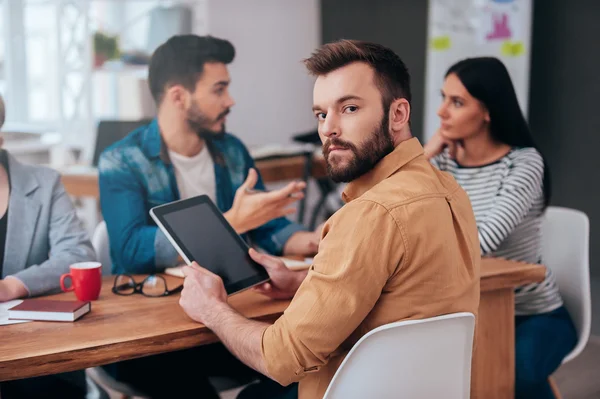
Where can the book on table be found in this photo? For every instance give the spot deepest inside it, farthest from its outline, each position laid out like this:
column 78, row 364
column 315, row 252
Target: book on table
column 49, row 310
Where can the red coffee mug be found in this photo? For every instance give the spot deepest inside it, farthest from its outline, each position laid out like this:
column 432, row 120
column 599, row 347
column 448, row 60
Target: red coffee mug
column 86, row 280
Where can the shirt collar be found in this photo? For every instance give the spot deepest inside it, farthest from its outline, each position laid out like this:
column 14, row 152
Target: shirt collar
column 405, row 152
column 153, row 144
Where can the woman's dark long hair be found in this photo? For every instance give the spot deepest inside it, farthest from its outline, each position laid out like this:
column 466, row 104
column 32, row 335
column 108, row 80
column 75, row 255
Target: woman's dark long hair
column 487, row 79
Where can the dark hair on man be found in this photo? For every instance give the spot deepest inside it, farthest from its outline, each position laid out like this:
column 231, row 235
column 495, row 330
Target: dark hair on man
column 180, row 61
column 391, row 74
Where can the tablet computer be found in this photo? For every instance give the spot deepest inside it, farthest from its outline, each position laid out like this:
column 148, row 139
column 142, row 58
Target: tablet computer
column 199, row 232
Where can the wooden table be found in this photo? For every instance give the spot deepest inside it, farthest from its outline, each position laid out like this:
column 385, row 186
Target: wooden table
column 493, row 367
column 126, row 327
column 83, row 182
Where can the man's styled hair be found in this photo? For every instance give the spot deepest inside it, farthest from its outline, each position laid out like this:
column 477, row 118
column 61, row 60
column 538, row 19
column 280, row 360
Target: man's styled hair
column 391, row 75
column 180, row 61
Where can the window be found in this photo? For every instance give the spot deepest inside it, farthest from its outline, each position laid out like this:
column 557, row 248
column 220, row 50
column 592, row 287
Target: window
column 47, row 71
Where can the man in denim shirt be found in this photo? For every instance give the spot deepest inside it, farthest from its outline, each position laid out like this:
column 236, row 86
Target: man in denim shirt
column 183, row 153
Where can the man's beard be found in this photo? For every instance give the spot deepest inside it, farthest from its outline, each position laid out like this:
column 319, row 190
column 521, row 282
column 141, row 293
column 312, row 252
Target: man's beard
column 199, row 123
column 376, row 146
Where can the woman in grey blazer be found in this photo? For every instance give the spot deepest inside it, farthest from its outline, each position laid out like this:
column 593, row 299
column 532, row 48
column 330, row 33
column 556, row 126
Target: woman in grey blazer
column 40, row 236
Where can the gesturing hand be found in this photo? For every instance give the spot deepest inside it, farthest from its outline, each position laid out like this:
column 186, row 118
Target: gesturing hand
column 253, row 209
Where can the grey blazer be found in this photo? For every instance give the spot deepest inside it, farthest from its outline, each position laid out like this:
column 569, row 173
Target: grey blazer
column 44, row 235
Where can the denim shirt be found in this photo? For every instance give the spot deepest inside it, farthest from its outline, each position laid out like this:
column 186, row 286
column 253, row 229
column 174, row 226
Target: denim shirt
column 135, row 174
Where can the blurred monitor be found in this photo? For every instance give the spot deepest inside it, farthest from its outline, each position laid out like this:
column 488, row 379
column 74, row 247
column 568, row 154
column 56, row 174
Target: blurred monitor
column 311, row 137
column 109, row 132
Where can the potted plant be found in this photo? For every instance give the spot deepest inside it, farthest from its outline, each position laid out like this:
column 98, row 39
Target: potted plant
column 105, row 48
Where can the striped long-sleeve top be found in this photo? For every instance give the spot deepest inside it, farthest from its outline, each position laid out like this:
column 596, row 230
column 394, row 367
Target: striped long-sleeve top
column 508, row 200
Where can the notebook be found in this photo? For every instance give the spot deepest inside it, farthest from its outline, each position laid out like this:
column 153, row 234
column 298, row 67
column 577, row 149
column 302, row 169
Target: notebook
column 294, row 264
column 49, row 310
column 4, row 306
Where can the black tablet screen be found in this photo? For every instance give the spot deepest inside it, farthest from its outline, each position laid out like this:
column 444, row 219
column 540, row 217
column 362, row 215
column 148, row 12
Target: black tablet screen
column 204, row 236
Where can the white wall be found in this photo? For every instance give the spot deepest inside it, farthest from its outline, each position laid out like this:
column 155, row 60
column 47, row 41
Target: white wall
column 269, row 82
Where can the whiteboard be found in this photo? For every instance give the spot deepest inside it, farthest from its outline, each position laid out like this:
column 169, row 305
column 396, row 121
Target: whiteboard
column 459, row 29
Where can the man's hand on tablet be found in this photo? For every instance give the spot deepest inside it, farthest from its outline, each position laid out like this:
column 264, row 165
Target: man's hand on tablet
column 203, row 294
column 252, row 209
column 284, row 282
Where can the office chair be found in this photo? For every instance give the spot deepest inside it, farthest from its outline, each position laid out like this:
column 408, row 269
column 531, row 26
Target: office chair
column 111, row 131
column 429, row 358
column 565, row 250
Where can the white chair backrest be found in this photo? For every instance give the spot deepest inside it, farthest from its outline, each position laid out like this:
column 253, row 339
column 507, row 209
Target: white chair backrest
column 102, row 247
column 428, row 358
column 565, row 250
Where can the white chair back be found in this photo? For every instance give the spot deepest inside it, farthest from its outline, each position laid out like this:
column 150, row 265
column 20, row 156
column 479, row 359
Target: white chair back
column 428, row 358
column 102, row 247
column 565, row 250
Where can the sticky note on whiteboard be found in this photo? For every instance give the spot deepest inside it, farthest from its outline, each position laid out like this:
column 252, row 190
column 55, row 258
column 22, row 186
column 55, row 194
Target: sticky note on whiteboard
column 512, row 49
column 441, row 43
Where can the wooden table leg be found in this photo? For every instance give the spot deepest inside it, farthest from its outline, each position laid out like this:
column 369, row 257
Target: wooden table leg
column 493, row 367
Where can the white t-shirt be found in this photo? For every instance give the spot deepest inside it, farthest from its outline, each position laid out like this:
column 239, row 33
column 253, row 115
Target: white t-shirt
column 195, row 175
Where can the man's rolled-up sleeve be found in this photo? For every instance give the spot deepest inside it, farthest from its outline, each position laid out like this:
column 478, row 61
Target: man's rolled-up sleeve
column 354, row 262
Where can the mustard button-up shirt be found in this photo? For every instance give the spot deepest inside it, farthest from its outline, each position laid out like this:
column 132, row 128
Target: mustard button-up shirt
column 404, row 246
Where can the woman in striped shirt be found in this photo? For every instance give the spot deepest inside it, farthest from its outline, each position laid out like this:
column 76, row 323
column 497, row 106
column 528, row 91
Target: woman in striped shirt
column 485, row 143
